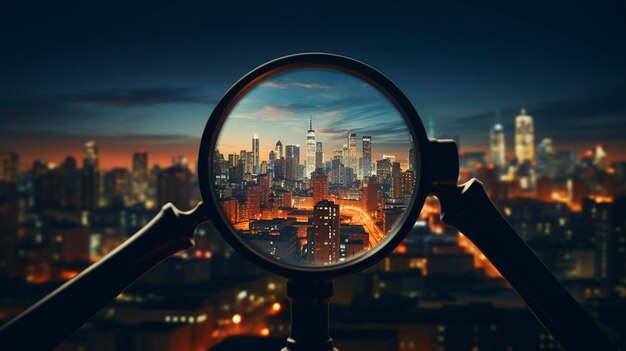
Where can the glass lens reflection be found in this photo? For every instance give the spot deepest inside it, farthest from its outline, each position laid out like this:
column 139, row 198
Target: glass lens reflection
column 314, row 167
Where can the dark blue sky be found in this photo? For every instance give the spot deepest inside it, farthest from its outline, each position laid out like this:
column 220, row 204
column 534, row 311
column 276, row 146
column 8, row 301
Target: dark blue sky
column 146, row 75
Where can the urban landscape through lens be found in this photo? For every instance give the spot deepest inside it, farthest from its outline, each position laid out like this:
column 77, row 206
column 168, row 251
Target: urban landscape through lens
column 102, row 109
column 314, row 167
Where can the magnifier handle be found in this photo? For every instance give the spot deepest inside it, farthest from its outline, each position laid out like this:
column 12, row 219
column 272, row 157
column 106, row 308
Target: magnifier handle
column 52, row 319
column 469, row 209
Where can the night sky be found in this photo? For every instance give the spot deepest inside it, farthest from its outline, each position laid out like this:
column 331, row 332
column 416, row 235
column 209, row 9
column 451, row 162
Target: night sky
column 146, row 75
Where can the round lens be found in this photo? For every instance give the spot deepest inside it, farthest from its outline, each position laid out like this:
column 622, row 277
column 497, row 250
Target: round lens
column 314, row 168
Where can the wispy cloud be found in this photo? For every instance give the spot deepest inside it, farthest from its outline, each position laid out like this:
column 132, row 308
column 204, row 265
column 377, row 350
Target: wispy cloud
column 277, row 85
column 142, row 97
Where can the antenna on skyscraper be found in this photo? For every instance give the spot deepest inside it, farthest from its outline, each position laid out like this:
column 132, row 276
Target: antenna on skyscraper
column 498, row 115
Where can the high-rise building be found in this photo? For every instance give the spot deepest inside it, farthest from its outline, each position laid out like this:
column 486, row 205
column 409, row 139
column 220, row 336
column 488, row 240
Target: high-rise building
column 391, row 158
column 9, row 166
column 174, row 185
column 310, row 149
column 9, row 226
column 370, row 198
column 408, row 183
column 498, row 145
column 292, row 158
column 91, row 155
column 546, row 157
column 69, row 183
column 524, row 138
column 367, row 156
column 396, row 180
column 232, row 160
column 383, row 172
column 235, row 173
column 607, row 224
column 279, row 150
column 319, row 155
column 117, row 185
column 599, row 156
column 272, row 159
column 320, row 186
column 90, row 177
column 253, row 200
column 264, row 181
column 413, row 156
column 139, row 177
column 352, row 158
column 250, row 162
column 255, row 154
column 230, row 207
column 326, row 232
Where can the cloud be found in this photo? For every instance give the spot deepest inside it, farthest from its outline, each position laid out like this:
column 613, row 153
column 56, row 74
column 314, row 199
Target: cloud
column 271, row 84
column 274, row 112
column 276, row 85
column 82, row 112
column 142, row 97
column 311, row 85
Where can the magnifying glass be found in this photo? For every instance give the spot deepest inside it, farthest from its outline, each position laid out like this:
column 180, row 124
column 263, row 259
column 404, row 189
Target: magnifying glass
column 314, row 166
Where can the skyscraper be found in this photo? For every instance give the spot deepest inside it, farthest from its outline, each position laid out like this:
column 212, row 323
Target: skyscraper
column 319, row 156
column 352, row 152
column 116, row 186
column 253, row 201
column 326, row 232
column 272, row 160
column 91, row 155
column 310, row 149
column 498, row 145
column 279, row 150
column 250, row 162
column 383, row 172
column 90, row 177
column 396, row 180
column 320, row 186
column 264, row 182
column 233, row 159
column 367, row 156
column 139, row 176
column 292, row 158
column 255, row 154
column 9, row 166
column 69, row 183
column 174, row 185
column 524, row 138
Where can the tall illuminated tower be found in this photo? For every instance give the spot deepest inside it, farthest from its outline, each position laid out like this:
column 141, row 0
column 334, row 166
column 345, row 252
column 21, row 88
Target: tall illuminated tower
column 367, row 156
column 91, row 155
column 352, row 158
column 255, row 154
column 524, row 137
column 498, row 146
column 310, row 149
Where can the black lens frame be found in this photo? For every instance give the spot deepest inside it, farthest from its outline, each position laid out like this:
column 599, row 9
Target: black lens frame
column 314, row 61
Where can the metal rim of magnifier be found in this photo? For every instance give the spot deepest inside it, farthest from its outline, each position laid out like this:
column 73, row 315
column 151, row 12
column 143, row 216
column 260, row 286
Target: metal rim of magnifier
column 313, row 61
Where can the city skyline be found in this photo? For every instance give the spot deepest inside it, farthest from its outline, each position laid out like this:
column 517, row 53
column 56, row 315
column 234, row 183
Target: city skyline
column 332, row 103
column 156, row 94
